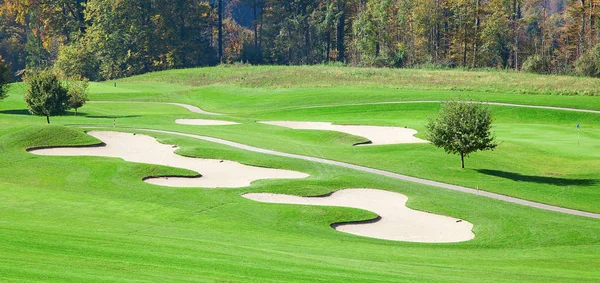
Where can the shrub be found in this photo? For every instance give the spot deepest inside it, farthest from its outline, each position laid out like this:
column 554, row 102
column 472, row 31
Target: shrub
column 536, row 64
column 588, row 64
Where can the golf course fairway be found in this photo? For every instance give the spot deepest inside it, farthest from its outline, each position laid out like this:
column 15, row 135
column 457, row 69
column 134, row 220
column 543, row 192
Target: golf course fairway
column 94, row 219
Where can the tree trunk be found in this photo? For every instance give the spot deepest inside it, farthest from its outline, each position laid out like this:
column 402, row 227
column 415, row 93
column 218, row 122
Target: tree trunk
column 48, row 119
column 464, row 55
column 328, row 45
column 307, row 48
column 462, row 160
column 261, row 8
column 75, row 111
column 464, row 60
column 289, row 47
column 476, row 35
column 582, row 46
column 592, row 24
column 516, row 11
column 255, row 26
column 341, row 28
column 220, row 11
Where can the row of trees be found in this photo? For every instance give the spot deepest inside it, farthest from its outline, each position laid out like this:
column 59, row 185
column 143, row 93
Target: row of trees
column 105, row 39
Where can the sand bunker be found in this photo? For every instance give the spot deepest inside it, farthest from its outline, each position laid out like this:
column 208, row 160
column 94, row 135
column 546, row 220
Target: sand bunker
column 204, row 122
column 397, row 222
column 146, row 149
column 378, row 135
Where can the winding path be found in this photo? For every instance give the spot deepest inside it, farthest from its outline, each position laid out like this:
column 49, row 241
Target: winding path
column 197, row 110
column 382, row 172
column 191, row 108
column 386, row 174
column 440, row 101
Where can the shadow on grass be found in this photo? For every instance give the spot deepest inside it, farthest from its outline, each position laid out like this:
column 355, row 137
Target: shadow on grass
column 539, row 179
column 110, row 116
column 16, row 112
column 70, row 113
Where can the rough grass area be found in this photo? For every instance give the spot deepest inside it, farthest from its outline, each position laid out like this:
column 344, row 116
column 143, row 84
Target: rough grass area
column 415, row 79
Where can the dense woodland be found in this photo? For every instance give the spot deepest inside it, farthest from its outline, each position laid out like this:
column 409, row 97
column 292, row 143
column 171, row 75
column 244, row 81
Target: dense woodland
column 107, row 39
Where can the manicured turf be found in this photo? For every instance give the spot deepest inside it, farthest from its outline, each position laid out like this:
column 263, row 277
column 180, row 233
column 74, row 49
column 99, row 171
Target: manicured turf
column 92, row 219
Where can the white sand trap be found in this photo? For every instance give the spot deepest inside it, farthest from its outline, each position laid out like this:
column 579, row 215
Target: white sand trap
column 146, row 149
column 397, row 222
column 204, row 122
column 378, row 135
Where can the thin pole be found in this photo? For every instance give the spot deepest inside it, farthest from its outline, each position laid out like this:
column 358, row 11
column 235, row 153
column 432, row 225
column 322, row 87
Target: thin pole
column 578, row 135
column 220, row 17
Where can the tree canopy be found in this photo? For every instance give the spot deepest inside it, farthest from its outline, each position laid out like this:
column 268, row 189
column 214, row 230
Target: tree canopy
column 46, row 95
column 462, row 128
column 78, row 92
column 5, row 78
column 105, row 39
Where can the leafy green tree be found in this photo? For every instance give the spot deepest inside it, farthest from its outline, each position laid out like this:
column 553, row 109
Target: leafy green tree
column 78, row 60
column 496, row 41
column 462, row 128
column 77, row 93
column 36, row 56
column 589, row 63
column 4, row 78
column 536, row 64
column 46, row 95
column 107, row 39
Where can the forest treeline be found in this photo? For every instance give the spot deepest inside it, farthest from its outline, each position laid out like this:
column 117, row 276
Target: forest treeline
column 107, row 39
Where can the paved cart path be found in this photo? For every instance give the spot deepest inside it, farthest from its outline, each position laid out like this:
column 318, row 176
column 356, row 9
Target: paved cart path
column 386, row 174
column 197, row 110
column 191, row 108
column 440, row 101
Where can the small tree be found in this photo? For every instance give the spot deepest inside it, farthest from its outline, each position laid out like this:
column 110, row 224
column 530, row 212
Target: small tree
column 46, row 95
column 462, row 128
column 5, row 78
column 77, row 93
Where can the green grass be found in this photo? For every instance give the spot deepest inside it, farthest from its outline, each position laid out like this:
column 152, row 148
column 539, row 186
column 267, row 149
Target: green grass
column 92, row 219
column 328, row 76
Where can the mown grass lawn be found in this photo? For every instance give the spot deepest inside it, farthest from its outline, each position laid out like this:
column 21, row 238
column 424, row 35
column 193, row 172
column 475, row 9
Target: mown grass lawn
column 92, row 219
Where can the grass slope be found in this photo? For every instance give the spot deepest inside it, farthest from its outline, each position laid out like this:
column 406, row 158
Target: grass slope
column 92, row 219
column 97, row 221
column 327, row 76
